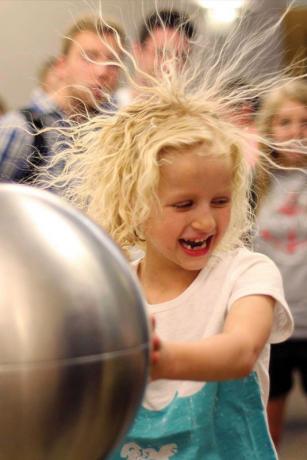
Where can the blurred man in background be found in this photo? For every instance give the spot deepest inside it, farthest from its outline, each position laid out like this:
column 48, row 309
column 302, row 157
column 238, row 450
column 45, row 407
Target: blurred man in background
column 79, row 83
column 164, row 38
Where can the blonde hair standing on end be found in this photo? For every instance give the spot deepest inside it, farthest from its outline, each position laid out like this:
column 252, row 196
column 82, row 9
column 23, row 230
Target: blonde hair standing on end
column 111, row 166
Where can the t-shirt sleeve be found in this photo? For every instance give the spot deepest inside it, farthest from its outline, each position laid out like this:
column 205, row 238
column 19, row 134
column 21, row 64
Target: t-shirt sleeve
column 257, row 274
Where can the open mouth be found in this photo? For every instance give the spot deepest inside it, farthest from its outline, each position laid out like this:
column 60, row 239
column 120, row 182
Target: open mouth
column 197, row 245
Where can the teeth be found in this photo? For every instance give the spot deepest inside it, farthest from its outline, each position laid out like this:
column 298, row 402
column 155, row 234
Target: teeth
column 195, row 244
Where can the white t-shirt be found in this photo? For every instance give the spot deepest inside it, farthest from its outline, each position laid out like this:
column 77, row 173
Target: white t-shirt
column 221, row 420
column 200, row 312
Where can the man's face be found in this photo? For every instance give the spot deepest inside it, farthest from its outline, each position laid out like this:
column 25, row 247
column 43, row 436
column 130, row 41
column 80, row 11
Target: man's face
column 162, row 45
column 86, row 72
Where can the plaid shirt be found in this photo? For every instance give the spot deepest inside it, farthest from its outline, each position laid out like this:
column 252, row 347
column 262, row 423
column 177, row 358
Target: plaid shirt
column 16, row 144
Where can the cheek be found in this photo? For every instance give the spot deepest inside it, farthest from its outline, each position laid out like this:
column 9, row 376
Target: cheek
column 81, row 68
column 224, row 220
column 86, row 71
column 163, row 230
column 280, row 133
column 113, row 74
column 149, row 61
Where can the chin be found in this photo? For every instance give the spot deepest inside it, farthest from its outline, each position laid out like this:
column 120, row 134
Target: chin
column 195, row 265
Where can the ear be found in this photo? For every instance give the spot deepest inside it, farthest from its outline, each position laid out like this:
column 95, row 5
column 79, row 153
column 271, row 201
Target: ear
column 61, row 67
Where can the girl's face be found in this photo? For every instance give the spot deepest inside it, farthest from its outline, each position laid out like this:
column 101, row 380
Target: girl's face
column 195, row 196
column 290, row 123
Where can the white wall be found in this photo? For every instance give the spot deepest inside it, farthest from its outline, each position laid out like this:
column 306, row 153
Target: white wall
column 30, row 31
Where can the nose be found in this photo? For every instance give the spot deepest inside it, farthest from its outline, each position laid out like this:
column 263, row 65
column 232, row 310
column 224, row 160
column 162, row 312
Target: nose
column 204, row 221
column 100, row 70
column 107, row 75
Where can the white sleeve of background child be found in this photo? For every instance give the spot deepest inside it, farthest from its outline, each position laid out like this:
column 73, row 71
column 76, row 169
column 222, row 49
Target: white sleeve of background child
column 256, row 274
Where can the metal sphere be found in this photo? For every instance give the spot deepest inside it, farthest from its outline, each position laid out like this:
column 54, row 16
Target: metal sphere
column 74, row 342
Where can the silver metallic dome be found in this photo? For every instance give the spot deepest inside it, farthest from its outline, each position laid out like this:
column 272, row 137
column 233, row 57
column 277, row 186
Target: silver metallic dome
column 74, row 337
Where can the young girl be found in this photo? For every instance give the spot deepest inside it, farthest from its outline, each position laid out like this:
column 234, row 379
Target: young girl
column 282, row 235
column 168, row 174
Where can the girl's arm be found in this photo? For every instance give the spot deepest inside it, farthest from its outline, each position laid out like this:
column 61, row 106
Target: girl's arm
column 229, row 355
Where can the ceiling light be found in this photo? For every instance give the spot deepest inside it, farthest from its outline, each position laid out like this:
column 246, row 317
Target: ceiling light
column 221, row 11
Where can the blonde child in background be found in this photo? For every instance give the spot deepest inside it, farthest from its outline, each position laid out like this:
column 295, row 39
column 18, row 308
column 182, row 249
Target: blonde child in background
column 282, row 234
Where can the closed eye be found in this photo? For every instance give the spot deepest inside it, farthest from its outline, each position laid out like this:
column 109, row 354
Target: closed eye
column 284, row 122
column 89, row 56
column 220, row 202
column 183, row 204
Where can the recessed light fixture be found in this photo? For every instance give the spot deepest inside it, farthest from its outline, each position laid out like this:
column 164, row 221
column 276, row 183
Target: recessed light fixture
column 221, row 11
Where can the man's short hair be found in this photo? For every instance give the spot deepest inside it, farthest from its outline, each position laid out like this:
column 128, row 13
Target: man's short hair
column 94, row 24
column 167, row 18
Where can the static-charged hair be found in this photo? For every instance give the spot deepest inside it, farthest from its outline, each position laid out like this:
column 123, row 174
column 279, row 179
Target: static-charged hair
column 111, row 166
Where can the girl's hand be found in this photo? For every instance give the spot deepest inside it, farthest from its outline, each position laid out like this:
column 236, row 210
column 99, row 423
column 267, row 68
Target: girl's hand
column 156, row 347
